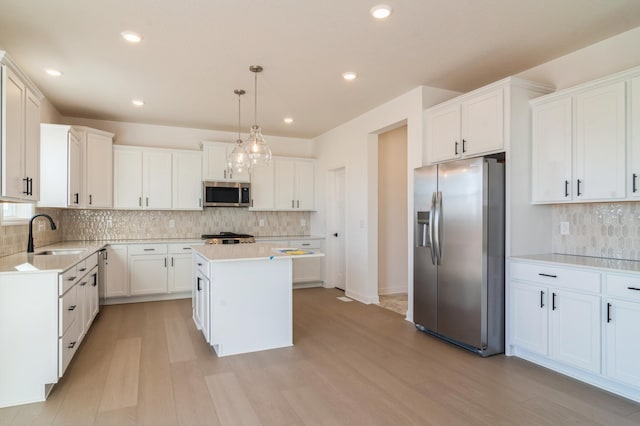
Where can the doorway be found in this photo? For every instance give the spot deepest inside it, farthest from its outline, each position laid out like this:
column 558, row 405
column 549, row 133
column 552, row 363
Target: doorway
column 393, row 258
column 336, row 225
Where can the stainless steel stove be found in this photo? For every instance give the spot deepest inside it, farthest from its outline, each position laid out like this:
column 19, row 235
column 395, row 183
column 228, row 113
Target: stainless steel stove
column 228, row 238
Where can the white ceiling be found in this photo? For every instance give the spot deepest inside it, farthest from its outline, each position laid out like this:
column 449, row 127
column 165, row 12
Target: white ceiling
column 196, row 52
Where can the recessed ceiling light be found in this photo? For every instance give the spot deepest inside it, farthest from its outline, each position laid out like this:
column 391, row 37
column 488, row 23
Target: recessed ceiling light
column 131, row 37
column 288, row 120
column 137, row 102
column 380, row 11
column 54, row 73
column 350, row 75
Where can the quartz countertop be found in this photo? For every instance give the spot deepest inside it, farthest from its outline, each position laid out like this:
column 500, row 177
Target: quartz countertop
column 252, row 251
column 290, row 238
column 614, row 265
column 54, row 263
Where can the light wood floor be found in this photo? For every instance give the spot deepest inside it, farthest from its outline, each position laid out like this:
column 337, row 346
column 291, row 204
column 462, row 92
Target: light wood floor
column 352, row 364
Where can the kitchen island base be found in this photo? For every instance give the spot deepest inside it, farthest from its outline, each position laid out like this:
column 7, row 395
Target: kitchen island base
column 244, row 305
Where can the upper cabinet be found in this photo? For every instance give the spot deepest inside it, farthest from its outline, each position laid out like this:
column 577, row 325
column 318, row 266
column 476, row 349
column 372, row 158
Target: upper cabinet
column 20, row 124
column 214, row 163
column 285, row 184
column 156, row 179
column 585, row 144
column 76, row 167
column 468, row 126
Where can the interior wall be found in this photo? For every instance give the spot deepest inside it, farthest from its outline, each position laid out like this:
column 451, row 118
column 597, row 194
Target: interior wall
column 392, row 212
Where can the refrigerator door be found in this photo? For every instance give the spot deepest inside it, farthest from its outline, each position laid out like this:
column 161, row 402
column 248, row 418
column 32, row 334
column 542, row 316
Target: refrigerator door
column 462, row 247
column 425, row 275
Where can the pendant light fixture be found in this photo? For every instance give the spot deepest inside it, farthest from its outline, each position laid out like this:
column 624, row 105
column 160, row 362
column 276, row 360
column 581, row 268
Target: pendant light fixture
column 238, row 160
column 255, row 145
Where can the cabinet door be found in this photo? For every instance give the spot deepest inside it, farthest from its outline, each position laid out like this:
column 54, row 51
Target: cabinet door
column 156, row 180
column 284, row 174
column 214, row 161
column 575, row 329
column 304, row 185
column 443, row 133
column 32, row 145
column 116, row 276
column 483, row 123
column 74, row 172
column 622, row 344
column 94, row 298
column 98, row 171
column 634, row 140
column 263, row 188
column 13, row 178
column 180, row 272
column 187, row 181
column 551, row 151
column 529, row 317
column 84, row 301
column 127, row 179
column 201, row 311
column 148, row 274
column 600, row 143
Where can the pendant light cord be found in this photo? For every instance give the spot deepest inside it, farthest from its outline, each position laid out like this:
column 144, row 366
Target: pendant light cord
column 255, row 103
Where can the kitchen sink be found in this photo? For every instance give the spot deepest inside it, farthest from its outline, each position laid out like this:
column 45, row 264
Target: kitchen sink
column 60, row 252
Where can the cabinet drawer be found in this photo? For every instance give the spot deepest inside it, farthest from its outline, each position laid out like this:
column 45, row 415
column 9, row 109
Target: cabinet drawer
column 89, row 263
column 147, row 249
column 67, row 346
column 306, row 244
column 201, row 265
column 556, row 276
column 624, row 286
column 68, row 308
column 67, row 279
column 183, row 248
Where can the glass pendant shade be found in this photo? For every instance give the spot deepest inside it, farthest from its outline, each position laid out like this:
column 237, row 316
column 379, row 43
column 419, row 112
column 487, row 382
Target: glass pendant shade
column 238, row 159
column 256, row 148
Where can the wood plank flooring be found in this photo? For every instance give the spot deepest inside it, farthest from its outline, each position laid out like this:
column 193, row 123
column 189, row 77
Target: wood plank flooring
column 351, row 364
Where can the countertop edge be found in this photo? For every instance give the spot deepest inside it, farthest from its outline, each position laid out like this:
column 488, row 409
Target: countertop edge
column 594, row 263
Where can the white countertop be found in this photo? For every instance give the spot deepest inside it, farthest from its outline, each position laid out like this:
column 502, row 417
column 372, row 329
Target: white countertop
column 57, row 263
column 249, row 251
column 615, row 265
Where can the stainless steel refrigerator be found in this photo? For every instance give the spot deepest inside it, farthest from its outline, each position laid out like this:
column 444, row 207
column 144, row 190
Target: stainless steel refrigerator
column 459, row 239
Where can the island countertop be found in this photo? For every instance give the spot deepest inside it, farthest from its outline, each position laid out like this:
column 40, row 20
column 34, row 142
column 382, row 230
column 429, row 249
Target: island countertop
column 249, row 251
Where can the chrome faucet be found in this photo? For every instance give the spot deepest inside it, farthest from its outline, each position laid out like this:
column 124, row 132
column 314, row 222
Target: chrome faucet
column 30, row 243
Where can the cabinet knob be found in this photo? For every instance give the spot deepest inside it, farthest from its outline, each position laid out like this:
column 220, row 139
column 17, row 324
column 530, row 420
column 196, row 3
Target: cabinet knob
column 72, row 307
column 71, row 345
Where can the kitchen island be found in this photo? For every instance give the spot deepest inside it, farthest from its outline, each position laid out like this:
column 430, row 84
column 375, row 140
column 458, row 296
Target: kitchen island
column 242, row 296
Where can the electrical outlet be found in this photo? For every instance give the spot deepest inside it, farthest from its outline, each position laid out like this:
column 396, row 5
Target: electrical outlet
column 303, row 222
column 261, row 222
column 40, row 226
column 564, row 228
column 109, row 223
column 172, row 223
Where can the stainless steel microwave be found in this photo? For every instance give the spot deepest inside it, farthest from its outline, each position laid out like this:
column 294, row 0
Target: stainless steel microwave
column 226, row 194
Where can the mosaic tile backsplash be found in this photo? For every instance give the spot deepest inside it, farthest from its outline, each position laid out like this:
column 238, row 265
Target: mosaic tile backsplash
column 609, row 230
column 89, row 225
column 13, row 239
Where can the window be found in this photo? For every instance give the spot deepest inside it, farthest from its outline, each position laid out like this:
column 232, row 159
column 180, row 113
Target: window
column 16, row 214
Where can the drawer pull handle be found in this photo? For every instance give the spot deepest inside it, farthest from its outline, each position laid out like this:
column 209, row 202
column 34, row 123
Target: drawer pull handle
column 83, row 283
column 548, row 275
column 608, row 312
column 633, row 288
column 186, row 248
column 71, row 345
column 83, row 269
column 72, row 307
column 199, row 264
column 305, row 244
column 541, row 299
column 72, row 278
column 149, row 249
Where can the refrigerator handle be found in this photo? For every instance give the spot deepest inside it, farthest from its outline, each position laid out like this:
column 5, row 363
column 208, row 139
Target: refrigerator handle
column 438, row 226
column 432, row 249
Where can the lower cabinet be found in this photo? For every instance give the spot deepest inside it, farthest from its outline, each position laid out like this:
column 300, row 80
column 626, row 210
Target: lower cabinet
column 201, row 300
column 147, row 269
column 579, row 321
column 116, row 276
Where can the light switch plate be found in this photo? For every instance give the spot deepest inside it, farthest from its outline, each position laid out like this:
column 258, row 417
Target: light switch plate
column 172, row 223
column 261, row 222
column 564, row 228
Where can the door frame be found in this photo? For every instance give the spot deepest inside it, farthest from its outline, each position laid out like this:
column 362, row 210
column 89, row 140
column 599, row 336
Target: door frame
column 332, row 221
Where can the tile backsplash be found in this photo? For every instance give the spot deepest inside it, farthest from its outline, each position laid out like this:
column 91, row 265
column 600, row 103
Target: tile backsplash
column 609, row 230
column 90, row 225
column 13, row 238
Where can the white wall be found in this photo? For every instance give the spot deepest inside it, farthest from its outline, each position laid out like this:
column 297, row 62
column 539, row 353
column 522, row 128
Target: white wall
column 353, row 145
column 392, row 212
column 49, row 113
column 186, row 138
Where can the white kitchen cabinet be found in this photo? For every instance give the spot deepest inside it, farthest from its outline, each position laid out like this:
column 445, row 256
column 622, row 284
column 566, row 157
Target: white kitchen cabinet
column 20, row 136
column 157, row 180
column 116, row 273
column 552, row 133
column 142, row 178
column 468, row 126
column 180, row 267
column 574, row 327
column 215, row 166
column 529, row 320
column 147, row 265
column 97, row 168
column 579, row 144
column 633, row 176
column 127, row 179
column 187, row 180
column 263, row 187
column 74, row 171
column 294, row 184
column 202, row 297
